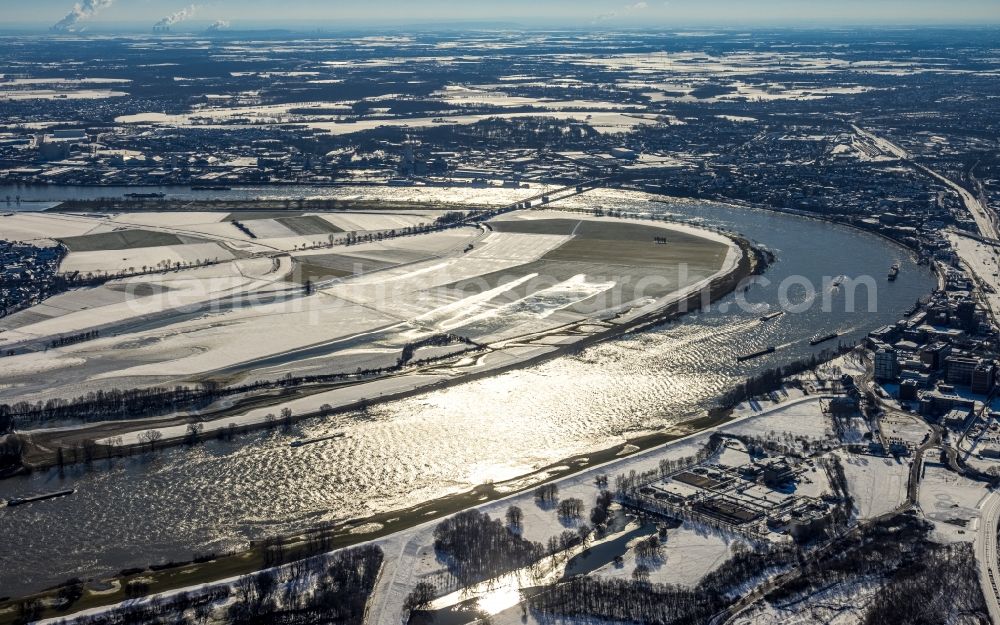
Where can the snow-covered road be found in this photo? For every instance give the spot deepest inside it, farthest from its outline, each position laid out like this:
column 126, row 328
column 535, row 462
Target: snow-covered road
column 986, row 553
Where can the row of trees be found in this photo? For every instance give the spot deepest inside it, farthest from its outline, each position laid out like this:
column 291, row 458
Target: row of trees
column 76, row 279
column 438, row 340
column 626, row 601
column 186, row 608
column 244, row 229
column 123, row 404
column 444, row 222
column 627, row 484
column 62, row 341
column 108, row 405
column 842, row 510
column 773, row 379
column 322, row 590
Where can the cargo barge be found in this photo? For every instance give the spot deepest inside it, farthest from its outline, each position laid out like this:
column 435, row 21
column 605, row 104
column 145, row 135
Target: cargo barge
column 751, row 356
column 308, row 441
column 20, row 501
column 145, row 196
column 816, row 340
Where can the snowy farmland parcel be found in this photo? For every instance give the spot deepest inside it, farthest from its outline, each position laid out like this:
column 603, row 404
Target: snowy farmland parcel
column 238, row 298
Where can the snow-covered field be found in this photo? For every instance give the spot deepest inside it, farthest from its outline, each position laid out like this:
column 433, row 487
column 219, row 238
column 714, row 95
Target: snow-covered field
column 690, row 552
column 358, row 221
column 34, row 227
column 877, row 484
column 132, row 260
column 909, row 429
column 243, row 318
column 950, row 500
column 801, row 416
column 130, row 298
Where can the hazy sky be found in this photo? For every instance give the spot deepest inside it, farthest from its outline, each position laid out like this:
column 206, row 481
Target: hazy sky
column 653, row 13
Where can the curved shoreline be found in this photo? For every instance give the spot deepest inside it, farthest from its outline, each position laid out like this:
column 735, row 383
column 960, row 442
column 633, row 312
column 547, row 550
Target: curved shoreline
column 788, row 211
column 50, row 448
column 358, row 530
column 174, row 576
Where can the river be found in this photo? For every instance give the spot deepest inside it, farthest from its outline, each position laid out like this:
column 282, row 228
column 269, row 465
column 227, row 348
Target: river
column 182, row 501
column 28, row 198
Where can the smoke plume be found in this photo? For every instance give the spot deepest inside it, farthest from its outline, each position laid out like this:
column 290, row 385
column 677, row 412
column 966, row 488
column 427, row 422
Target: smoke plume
column 81, row 11
column 217, row 26
column 174, row 18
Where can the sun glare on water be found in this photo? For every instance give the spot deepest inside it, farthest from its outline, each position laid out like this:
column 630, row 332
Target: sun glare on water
column 500, row 599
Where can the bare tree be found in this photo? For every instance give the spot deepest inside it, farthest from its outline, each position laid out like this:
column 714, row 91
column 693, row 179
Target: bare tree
column 640, row 573
column 150, row 436
column 514, row 518
column 194, row 431
column 570, row 509
column 420, row 597
column 547, row 494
